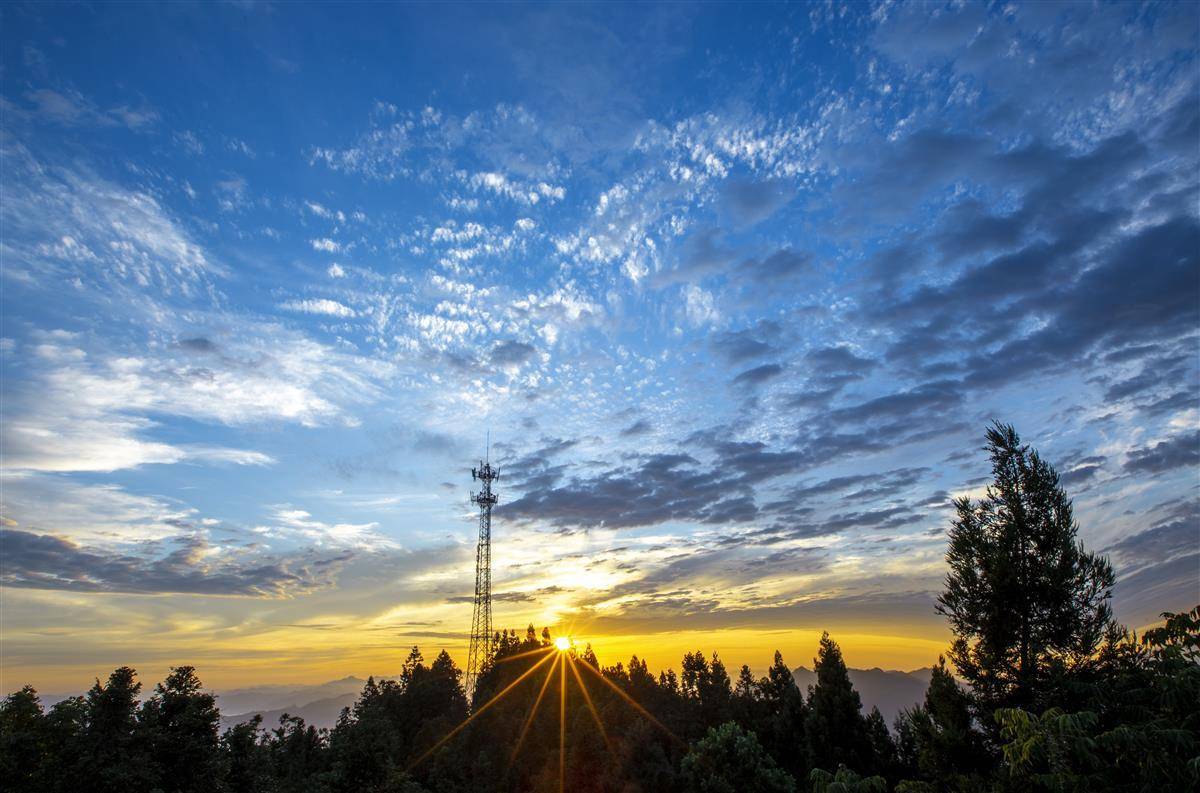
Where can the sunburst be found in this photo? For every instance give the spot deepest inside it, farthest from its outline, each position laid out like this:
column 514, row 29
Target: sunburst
column 562, row 654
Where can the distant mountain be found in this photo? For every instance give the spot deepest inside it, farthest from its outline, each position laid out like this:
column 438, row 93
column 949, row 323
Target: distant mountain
column 319, row 713
column 270, row 697
column 316, row 704
column 889, row 691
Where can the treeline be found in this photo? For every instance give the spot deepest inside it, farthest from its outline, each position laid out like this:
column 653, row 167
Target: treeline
column 1048, row 693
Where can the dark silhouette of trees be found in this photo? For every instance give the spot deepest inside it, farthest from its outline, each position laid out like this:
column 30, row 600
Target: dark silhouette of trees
column 1057, row 697
column 180, row 723
column 938, row 742
column 1028, row 605
column 835, row 730
column 730, row 760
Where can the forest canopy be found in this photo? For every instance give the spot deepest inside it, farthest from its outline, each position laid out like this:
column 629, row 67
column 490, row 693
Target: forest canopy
column 1040, row 690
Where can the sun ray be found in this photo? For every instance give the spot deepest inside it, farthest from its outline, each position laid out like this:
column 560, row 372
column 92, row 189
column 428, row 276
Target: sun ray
column 635, row 704
column 562, row 726
column 525, row 654
column 471, row 718
column 536, row 704
column 591, row 706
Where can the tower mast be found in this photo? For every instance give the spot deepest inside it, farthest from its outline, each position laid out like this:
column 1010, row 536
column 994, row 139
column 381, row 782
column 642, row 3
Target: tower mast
column 482, row 637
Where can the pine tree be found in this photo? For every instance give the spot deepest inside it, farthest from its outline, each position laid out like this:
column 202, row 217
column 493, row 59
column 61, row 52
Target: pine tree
column 181, row 724
column 835, row 730
column 1026, row 602
column 781, row 725
column 21, row 728
column 115, row 756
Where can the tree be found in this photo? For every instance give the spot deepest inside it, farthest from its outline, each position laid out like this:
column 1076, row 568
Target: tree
column 114, row 752
column 21, row 728
column 845, row 781
column 181, row 724
column 730, row 760
column 1140, row 729
column 246, row 767
column 937, row 741
column 835, row 730
column 781, row 722
column 1026, row 602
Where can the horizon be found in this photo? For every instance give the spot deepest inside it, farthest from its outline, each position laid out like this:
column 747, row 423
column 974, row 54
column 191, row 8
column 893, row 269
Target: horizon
column 735, row 290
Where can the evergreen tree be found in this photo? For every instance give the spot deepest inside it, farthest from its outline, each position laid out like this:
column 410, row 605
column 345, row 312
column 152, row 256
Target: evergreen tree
column 835, row 730
column 181, row 723
column 731, row 760
column 781, row 724
column 246, row 770
column 938, row 742
column 114, row 753
column 1026, row 602
column 21, row 735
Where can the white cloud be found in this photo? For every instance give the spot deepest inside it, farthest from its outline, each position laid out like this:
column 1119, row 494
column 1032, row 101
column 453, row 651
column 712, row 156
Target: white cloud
column 335, row 271
column 698, row 304
column 326, row 244
column 320, row 306
column 89, row 412
column 62, row 223
column 105, row 514
column 292, row 522
column 71, row 108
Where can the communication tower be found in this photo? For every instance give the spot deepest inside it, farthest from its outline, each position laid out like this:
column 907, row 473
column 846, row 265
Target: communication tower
column 482, row 637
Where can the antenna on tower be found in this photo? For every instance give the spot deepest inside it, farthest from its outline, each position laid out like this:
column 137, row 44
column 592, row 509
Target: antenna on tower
column 482, row 638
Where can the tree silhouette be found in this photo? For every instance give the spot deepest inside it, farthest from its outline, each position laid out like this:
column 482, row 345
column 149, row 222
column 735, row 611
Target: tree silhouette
column 835, row 731
column 180, row 723
column 1072, row 702
column 1026, row 602
column 731, row 760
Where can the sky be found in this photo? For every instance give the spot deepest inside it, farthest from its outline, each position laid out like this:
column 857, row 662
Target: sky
column 736, row 291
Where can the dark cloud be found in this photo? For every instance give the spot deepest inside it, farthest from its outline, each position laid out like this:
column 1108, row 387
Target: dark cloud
column 1080, row 475
column 839, row 359
column 1178, row 452
column 43, row 561
column 758, row 375
column 639, row 427
column 746, row 344
column 781, row 265
column 750, row 202
column 509, row 353
column 198, row 345
column 1178, row 534
column 936, row 399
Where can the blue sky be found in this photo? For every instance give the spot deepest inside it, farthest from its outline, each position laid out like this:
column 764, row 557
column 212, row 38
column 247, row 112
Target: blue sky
column 736, row 290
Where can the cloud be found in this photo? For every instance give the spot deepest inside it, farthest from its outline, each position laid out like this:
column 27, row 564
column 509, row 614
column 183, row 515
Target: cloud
column 325, row 244
column 639, row 427
column 1181, row 451
column 88, row 411
column 62, row 223
column 750, row 202
column 511, row 353
column 758, row 375
column 746, row 344
column 68, row 107
column 324, row 306
column 42, row 561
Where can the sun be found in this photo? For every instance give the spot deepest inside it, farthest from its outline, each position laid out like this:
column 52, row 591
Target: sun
column 562, row 643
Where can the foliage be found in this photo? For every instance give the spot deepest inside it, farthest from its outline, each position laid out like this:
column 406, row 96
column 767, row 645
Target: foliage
column 1141, row 730
column 1057, row 698
column 845, row 781
column 730, row 760
column 1028, row 605
column 835, row 731
column 937, row 741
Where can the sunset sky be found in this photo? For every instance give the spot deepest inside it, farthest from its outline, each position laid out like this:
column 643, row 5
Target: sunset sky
column 735, row 289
